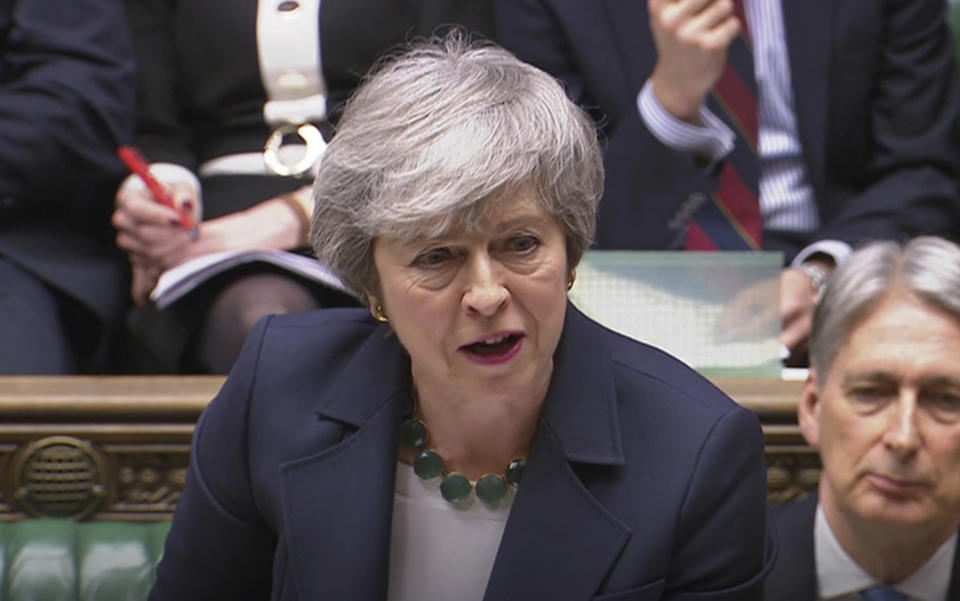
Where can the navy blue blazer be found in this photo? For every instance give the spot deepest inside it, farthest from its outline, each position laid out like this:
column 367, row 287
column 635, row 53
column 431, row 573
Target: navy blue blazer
column 876, row 97
column 644, row 480
column 794, row 577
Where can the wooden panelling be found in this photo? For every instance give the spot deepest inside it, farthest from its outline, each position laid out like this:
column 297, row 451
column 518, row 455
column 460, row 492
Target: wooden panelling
column 117, row 447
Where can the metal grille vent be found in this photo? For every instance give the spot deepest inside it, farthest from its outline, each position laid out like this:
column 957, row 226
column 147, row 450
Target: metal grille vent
column 59, row 476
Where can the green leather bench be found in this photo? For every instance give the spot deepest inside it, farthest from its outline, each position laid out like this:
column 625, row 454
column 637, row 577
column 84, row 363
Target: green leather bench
column 63, row 560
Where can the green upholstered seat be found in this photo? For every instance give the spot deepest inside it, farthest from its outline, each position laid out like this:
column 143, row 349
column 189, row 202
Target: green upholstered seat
column 62, row 560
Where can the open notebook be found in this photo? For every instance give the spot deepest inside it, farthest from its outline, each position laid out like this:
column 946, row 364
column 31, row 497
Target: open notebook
column 178, row 281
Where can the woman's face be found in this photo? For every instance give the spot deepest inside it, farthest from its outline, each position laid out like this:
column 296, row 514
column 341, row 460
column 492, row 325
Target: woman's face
column 480, row 313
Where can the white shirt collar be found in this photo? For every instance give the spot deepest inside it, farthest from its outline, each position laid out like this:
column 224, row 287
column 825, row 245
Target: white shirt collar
column 838, row 574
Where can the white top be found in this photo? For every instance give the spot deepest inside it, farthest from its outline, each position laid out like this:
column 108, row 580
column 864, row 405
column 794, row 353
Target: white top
column 839, row 577
column 786, row 195
column 438, row 551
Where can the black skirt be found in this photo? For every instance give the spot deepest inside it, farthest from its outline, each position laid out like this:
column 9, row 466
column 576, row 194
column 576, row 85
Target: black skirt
column 159, row 341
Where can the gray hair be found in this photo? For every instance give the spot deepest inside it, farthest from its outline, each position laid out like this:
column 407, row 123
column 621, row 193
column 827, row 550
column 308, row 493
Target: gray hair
column 926, row 267
column 436, row 132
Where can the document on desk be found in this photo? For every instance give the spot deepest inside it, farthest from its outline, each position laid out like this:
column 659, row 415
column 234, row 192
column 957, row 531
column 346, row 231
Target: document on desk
column 718, row 312
column 178, row 281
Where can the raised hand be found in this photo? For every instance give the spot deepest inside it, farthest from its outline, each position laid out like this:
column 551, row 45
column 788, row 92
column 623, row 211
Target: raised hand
column 692, row 38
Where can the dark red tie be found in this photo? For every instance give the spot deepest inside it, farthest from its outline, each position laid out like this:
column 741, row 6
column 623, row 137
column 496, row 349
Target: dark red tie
column 732, row 221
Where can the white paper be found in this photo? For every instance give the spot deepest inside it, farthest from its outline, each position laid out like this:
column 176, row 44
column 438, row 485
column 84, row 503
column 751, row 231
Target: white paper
column 668, row 300
column 178, row 281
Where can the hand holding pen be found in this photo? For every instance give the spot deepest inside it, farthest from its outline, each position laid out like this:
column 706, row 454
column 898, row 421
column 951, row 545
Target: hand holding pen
column 133, row 159
column 156, row 224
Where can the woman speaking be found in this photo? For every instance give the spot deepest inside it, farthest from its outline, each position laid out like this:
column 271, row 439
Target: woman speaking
column 471, row 435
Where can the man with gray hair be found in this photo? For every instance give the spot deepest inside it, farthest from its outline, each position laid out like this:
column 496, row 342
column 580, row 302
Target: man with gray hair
column 882, row 406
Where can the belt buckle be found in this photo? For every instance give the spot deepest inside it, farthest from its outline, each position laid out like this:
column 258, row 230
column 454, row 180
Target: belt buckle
column 307, row 132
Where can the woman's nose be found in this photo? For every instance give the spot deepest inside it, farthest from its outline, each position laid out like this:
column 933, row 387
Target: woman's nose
column 485, row 293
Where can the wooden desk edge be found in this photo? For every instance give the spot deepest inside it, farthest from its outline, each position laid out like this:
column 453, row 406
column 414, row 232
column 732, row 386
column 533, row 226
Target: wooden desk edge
column 133, row 397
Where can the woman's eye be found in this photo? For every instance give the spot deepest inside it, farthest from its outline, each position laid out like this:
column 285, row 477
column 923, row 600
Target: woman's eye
column 433, row 257
column 523, row 243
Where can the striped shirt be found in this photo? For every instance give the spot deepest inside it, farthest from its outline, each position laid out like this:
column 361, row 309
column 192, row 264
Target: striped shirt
column 786, row 195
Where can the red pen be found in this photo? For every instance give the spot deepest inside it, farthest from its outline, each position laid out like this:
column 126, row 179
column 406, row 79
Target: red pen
column 134, row 160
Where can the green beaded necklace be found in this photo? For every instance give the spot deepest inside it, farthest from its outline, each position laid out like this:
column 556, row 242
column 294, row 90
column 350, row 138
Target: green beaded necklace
column 455, row 487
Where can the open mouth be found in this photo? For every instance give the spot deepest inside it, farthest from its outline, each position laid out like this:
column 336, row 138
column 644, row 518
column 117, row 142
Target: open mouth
column 496, row 346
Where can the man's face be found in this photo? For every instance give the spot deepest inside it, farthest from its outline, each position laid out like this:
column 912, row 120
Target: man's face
column 887, row 420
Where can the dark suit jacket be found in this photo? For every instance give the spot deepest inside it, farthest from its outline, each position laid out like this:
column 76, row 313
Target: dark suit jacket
column 794, row 577
column 876, row 99
column 66, row 103
column 644, row 481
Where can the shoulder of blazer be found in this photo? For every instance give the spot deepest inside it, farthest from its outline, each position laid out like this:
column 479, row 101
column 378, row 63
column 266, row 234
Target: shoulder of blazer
column 639, row 372
column 663, row 371
column 305, row 346
column 794, row 576
column 339, row 363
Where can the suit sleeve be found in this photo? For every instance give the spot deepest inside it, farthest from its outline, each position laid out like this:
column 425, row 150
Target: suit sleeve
column 161, row 128
column 726, row 547
column 651, row 189
column 219, row 547
column 66, row 100
column 909, row 182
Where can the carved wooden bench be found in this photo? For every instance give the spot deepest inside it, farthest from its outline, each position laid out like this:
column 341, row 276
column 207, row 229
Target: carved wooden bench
column 117, row 447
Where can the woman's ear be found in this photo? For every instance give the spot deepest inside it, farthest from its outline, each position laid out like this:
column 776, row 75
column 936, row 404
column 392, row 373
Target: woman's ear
column 376, row 308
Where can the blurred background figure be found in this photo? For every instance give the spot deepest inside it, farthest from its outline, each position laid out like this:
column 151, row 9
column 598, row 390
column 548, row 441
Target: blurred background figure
column 66, row 102
column 882, row 405
column 798, row 126
column 218, row 79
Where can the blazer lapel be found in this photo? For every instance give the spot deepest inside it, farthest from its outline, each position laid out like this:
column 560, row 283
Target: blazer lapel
column 559, row 542
column 338, row 503
column 808, row 25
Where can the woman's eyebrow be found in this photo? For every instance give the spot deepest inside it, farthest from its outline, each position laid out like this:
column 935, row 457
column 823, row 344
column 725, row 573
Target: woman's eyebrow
column 519, row 220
